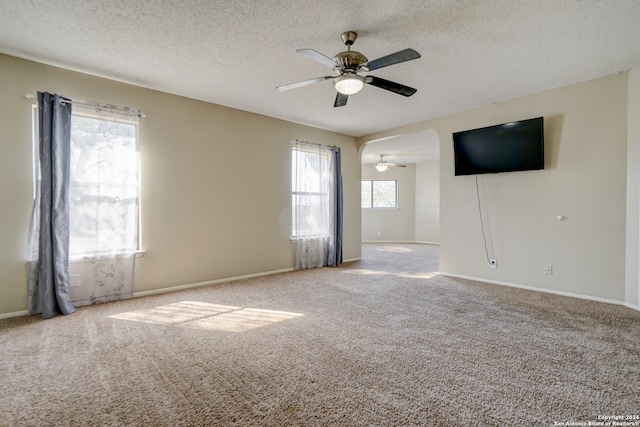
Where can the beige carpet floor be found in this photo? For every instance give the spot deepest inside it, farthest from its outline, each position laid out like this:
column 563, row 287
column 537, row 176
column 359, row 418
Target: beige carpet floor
column 381, row 342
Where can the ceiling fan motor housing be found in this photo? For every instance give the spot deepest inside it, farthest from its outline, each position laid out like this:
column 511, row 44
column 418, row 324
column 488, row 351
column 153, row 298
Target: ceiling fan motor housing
column 350, row 59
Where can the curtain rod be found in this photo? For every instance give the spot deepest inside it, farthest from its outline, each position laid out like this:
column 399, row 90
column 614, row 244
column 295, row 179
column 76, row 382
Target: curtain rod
column 105, row 107
column 317, row 144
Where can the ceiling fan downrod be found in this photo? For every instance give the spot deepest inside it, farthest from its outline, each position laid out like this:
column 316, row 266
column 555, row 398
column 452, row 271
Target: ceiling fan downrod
column 350, row 60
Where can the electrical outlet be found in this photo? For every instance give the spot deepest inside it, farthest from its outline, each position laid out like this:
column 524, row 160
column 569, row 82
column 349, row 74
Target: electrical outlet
column 378, row 233
column 548, row 269
column 493, row 263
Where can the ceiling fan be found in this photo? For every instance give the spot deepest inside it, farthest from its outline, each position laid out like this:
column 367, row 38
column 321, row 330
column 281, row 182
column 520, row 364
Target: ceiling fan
column 382, row 164
column 349, row 64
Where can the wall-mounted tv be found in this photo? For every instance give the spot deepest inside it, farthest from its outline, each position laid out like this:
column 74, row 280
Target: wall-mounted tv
column 509, row 147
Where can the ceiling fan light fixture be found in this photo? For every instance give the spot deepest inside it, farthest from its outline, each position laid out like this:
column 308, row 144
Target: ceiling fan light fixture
column 348, row 84
column 381, row 166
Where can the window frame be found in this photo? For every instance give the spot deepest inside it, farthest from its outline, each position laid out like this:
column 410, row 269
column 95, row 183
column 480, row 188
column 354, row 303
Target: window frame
column 35, row 147
column 372, row 207
column 295, row 192
column 118, row 118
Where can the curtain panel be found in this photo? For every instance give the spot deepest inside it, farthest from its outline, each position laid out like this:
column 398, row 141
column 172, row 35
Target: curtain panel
column 83, row 235
column 317, row 205
column 334, row 243
column 48, row 257
column 104, row 189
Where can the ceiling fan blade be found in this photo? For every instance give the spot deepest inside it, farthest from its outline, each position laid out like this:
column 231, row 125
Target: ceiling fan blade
column 304, row 83
column 394, row 58
column 317, row 56
column 341, row 100
column 391, row 86
column 396, row 165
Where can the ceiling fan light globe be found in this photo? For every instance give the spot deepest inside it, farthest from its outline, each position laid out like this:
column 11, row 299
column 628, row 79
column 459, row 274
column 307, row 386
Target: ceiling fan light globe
column 349, row 84
column 381, row 166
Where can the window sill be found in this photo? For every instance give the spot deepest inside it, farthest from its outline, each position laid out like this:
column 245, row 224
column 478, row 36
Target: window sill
column 294, row 239
column 79, row 259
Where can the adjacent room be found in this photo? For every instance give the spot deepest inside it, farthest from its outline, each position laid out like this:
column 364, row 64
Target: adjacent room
column 259, row 213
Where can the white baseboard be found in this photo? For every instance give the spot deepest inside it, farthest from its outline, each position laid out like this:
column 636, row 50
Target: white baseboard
column 287, row 270
column 533, row 288
column 209, row 282
column 632, row 306
column 14, row 314
column 400, row 242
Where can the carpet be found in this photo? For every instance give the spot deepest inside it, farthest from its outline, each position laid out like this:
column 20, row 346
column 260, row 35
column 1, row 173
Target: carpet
column 385, row 341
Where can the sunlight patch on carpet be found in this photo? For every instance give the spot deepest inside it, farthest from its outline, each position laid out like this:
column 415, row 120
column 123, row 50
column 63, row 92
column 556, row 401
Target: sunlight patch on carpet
column 362, row 272
column 202, row 315
column 394, row 249
column 428, row 275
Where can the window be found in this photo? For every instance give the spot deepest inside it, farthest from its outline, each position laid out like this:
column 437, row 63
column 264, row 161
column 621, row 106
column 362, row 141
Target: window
column 309, row 192
column 104, row 184
column 379, row 194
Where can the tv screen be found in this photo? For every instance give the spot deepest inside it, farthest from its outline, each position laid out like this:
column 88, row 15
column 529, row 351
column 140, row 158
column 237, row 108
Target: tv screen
column 509, row 147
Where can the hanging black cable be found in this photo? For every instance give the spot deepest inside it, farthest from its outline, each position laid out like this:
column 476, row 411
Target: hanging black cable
column 484, row 239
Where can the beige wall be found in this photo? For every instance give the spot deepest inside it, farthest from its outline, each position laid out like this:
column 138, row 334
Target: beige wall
column 428, row 202
column 394, row 225
column 632, row 292
column 584, row 180
column 417, row 218
column 215, row 182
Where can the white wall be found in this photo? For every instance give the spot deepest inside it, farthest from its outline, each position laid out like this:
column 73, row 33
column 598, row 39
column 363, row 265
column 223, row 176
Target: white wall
column 394, row 225
column 632, row 285
column 428, row 202
column 216, row 185
column 585, row 180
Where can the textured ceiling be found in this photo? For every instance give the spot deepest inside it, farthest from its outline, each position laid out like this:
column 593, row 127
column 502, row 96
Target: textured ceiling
column 235, row 53
column 408, row 148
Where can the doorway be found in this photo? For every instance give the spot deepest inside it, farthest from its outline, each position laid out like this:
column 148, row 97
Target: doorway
column 413, row 162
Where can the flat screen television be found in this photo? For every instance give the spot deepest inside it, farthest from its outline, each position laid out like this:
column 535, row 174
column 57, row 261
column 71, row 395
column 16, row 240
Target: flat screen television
column 509, row 147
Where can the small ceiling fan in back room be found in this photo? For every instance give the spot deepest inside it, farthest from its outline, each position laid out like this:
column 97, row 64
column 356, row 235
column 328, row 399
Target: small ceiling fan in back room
column 349, row 64
column 382, row 164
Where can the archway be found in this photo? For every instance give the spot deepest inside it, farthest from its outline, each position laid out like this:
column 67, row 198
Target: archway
column 416, row 217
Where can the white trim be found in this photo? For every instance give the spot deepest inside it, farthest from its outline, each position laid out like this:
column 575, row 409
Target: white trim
column 14, row 314
column 394, row 208
column 79, row 259
column 209, row 282
column 352, row 260
column 632, row 306
column 401, row 242
column 533, row 288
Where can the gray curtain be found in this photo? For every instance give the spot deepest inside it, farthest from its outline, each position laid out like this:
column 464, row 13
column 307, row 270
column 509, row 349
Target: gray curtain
column 48, row 261
column 334, row 243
